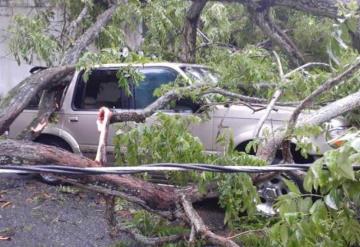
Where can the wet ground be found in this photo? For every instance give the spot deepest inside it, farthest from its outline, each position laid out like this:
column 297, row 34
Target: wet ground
column 36, row 214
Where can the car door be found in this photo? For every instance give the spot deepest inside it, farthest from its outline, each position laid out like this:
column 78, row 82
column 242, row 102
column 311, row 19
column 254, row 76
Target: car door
column 100, row 89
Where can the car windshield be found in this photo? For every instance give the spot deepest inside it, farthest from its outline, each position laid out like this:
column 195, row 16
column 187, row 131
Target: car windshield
column 201, row 74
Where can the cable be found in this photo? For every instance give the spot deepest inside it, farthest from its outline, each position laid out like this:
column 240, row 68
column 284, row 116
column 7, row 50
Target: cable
column 123, row 170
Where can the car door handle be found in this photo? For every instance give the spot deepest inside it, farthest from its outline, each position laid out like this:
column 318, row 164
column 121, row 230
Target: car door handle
column 74, row 119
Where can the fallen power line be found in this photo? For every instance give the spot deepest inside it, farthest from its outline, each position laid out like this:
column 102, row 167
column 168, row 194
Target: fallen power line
column 160, row 167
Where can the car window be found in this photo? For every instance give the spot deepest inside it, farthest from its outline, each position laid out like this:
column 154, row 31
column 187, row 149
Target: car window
column 34, row 102
column 101, row 89
column 153, row 78
column 201, row 74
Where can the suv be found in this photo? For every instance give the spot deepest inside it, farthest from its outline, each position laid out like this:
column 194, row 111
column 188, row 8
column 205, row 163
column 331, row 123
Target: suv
column 76, row 130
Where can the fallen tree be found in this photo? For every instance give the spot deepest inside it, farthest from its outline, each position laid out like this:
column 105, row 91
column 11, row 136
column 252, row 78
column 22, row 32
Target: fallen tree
column 169, row 202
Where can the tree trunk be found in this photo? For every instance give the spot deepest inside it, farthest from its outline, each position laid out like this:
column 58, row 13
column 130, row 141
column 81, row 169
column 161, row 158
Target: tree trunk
column 188, row 52
column 22, row 152
column 48, row 102
column 19, row 97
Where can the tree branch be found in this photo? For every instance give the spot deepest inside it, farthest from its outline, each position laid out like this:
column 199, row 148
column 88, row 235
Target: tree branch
column 264, row 20
column 19, row 97
column 72, row 55
column 267, row 151
column 47, row 104
column 141, row 115
column 188, row 47
column 277, row 94
column 201, row 228
column 74, row 25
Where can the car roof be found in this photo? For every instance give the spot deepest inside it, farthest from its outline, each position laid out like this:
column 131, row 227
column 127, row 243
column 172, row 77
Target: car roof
column 166, row 64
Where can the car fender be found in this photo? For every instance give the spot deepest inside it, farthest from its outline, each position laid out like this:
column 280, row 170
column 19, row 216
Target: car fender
column 243, row 137
column 55, row 131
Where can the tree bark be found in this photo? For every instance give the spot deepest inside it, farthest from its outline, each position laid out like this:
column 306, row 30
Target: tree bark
column 264, row 20
column 74, row 25
column 201, row 228
column 188, row 52
column 268, row 150
column 73, row 54
column 22, row 152
column 47, row 104
column 19, row 97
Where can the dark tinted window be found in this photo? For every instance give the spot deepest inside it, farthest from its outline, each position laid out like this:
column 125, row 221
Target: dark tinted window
column 101, row 89
column 34, row 102
column 153, row 79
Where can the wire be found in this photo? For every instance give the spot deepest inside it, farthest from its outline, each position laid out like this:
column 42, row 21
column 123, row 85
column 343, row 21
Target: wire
column 70, row 170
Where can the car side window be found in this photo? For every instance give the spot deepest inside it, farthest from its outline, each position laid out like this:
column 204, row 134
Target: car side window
column 154, row 77
column 34, row 102
column 101, row 89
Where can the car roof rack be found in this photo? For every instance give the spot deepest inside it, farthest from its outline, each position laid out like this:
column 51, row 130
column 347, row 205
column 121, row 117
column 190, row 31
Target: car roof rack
column 37, row 68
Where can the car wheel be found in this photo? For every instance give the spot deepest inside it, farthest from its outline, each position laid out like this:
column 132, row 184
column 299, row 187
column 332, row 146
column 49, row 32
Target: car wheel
column 271, row 189
column 56, row 142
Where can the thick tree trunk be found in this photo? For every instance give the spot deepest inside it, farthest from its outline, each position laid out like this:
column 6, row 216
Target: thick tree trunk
column 48, row 102
column 21, row 152
column 47, row 106
column 19, row 97
column 188, row 53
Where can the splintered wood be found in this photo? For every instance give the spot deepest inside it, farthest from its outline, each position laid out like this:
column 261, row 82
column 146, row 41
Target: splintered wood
column 102, row 122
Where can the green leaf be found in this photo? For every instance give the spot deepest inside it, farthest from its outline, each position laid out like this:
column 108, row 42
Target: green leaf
column 352, row 24
column 284, row 234
column 318, row 210
column 305, row 204
column 331, row 200
column 308, row 181
column 292, row 186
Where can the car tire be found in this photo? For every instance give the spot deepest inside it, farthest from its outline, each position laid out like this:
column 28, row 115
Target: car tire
column 56, row 142
column 272, row 188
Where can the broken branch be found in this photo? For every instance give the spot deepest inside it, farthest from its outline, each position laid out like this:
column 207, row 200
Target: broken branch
column 201, row 228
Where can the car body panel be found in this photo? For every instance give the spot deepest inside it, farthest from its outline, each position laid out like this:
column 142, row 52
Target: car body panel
column 78, row 127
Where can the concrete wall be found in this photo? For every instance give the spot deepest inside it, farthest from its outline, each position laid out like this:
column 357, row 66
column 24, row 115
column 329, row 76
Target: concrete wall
column 10, row 72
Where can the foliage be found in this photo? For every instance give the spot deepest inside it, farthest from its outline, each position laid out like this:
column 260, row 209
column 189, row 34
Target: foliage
column 168, row 140
column 29, row 38
column 303, row 136
column 165, row 19
column 230, row 43
column 150, row 225
column 328, row 218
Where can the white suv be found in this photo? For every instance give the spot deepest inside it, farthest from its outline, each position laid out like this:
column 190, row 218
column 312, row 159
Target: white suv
column 76, row 131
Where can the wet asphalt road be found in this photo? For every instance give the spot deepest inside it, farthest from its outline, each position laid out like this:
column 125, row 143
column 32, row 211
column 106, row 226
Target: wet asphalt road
column 34, row 214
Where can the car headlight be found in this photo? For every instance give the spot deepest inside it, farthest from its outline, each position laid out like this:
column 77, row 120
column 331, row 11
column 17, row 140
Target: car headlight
column 335, row 129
